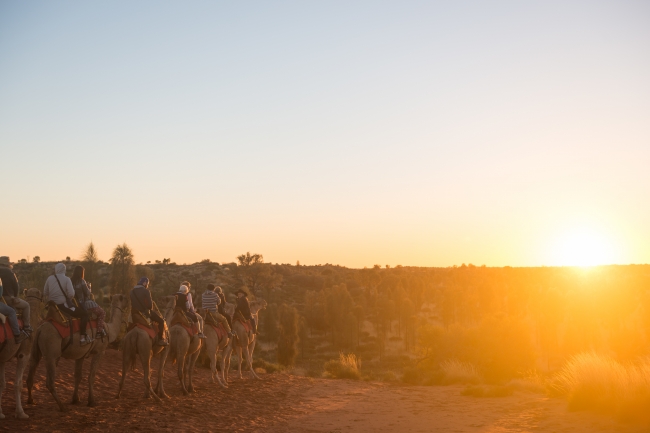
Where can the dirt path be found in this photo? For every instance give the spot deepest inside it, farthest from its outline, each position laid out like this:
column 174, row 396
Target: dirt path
column 284, row 403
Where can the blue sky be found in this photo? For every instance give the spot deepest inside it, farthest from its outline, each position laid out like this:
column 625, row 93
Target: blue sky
column 356, row 133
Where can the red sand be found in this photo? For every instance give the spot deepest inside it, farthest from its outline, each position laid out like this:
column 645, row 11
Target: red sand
column 284, row 403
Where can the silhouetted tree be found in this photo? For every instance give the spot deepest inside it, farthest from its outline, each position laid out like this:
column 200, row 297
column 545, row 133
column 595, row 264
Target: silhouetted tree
column 123, row 270
column 288, row 338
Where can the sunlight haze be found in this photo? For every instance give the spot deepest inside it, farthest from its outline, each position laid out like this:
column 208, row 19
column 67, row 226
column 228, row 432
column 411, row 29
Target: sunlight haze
column 351, row 133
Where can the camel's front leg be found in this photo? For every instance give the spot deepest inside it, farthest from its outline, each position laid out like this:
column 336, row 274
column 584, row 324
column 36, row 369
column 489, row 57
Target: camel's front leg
column 249, row 361
column 78, row 369
column 190, row 373
column 18, row 385
column 239, row 356
column 94, row 364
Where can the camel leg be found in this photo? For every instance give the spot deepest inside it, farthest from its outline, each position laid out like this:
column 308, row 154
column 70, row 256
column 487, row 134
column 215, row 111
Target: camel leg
column 18, row 385
column 223, row 380
column 94, row 364
column 50, row 367
column 239, row 358
column 33, row 365
column 2, row 385
column 249, row 361
column 190, row 373
column 126, row 364
column 227, row 354
column 160, row 390
column 78, row 368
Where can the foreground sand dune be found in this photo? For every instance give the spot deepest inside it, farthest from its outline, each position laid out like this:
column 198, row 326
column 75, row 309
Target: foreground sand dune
column 284, row 403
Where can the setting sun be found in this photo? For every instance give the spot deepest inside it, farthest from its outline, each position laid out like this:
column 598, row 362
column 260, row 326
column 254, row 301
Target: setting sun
column 583, row 248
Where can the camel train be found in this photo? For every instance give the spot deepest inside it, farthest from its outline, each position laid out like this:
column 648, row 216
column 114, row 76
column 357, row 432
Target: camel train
column 170, row 334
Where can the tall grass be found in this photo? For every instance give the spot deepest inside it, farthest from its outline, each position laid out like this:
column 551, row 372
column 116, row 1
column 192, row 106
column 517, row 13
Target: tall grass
column 459, row 372
column 346, row 367
column 599, row 382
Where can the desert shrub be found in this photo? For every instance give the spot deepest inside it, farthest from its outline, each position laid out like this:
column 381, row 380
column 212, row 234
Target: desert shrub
column 487, row 391
column 288, row 338
column 459, row 372
column 345, row 367
column 598, row 382
column 412, row 376
column 530, row 381
column 388, row 376
column 267, row 366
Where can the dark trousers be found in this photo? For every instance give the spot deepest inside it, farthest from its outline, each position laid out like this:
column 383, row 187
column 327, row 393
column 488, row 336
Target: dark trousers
column 192, row 316
column 155, row 317
column 79, row 313
column 253, row 324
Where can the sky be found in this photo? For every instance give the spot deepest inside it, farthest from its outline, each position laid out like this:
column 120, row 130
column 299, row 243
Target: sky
column 352, row 133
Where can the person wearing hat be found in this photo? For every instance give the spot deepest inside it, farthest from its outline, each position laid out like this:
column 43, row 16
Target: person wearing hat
column 141, row 301
column 184, row 302
column 58, row 289
column 244, row 308
column 9, row 282
column 211, row 301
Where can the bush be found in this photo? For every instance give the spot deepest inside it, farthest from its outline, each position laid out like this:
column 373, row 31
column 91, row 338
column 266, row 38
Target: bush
column 598, row 382
column 346, row 367
column 487, row 391
column 267, row 366
column 459, row 372
column 412, row 376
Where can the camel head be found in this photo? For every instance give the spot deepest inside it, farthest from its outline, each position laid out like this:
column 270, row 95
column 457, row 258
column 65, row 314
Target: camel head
column 168, row 302
column 120, row 301
column 257, row 305
column 33, row 294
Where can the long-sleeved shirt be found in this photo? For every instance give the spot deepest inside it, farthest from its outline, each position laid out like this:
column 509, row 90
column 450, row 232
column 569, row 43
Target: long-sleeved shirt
column 210, row 300
column 244, row 307
column 81, row 291
column 9, row 281
column 52, row 291
column 141, row 300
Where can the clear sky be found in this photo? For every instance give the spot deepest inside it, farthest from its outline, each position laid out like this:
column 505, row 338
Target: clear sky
column 353, row 133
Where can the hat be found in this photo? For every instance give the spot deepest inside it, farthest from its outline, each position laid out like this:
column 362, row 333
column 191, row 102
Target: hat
column 183, row 289
column 242, row 291
column 218, row 289
column 4, row 260
column 144, row 281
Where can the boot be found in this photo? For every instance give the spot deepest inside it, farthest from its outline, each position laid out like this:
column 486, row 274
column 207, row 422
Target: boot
column 84, row 340
column 21, row 337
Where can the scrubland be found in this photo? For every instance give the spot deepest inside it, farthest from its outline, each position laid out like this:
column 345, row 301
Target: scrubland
column 578, row 334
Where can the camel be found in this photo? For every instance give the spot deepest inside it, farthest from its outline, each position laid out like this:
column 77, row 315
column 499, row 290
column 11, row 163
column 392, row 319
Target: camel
column 245, row 341
column 48, row 344
column 185, row 350
column 213, row 345
column 20, row 352
column 137, row 342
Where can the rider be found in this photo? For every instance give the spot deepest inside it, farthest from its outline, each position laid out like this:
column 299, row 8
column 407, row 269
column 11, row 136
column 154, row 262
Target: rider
column 9, row 281
column 211, row 301
column 184, row 302
column 59, row 289
column 19, row 336
column 244, row 308
column 84, row 298
column 222, row 306
column 141, row 301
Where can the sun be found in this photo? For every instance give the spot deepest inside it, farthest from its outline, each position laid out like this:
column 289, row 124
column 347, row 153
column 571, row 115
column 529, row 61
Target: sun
column 583, row 247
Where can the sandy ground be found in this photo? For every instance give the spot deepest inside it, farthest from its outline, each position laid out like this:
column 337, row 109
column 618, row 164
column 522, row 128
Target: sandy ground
column 284, row 403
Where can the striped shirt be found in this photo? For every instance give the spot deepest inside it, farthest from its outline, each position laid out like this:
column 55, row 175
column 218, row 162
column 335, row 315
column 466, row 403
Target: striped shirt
column 210, row 300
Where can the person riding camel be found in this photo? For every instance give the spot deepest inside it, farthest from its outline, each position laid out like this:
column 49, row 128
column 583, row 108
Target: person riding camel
column 244, row 308
column 59, row 289
column 221, row 307
column 211, row 301
column 9, row 282
column 85, row 300
column 19, row 334
column 141, row 301
column 184, row 302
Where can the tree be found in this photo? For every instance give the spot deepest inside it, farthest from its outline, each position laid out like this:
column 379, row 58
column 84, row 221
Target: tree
column 359, row 315
column 288, row 338
column 89, row 258
column 37, row 259
column 123, row 269
column 256, row 275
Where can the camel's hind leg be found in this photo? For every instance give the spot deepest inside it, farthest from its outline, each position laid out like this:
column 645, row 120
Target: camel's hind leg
column 126, row 364
column 18, row 385
column 190, row 367
column 94, row 364
column 226, row 363
column 78, row 369
column 34, row 360
column 2, row 385
column 222, row 380
column 160, row 389
column 239, row 358
column 50, row 367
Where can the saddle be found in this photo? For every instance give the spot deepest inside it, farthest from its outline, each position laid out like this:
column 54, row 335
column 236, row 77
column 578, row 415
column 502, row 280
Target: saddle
column 246, row 323
column 180, row 318
column 139, row 320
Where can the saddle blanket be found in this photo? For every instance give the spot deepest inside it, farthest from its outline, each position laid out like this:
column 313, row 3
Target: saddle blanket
column 221, row 332
column 64, row 330
column 7, row 333
column 151, row 332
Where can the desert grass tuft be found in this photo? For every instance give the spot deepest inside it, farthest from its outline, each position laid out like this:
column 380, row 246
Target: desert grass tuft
column 459, row 372
column 345, row 367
